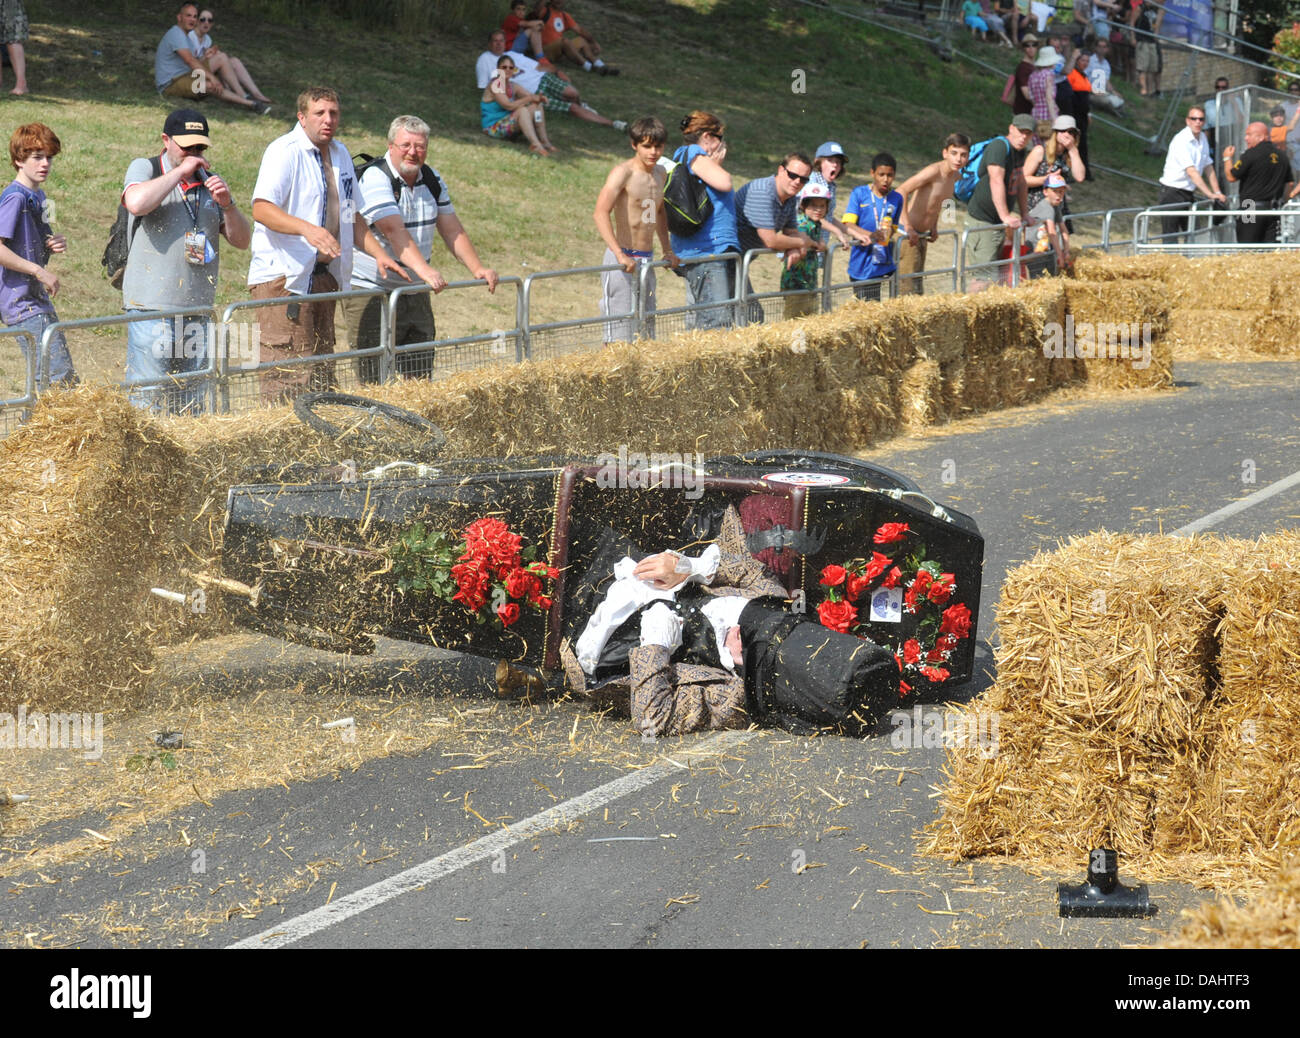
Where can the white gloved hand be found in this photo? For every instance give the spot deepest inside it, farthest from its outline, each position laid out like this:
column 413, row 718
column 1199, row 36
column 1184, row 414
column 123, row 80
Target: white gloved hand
column 661, row 626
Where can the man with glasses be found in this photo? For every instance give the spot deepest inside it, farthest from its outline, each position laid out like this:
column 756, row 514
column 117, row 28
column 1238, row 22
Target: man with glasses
column 1189, row 167
column 178, row 73
column 766, row 215
column 180, row 210
column 403, row 200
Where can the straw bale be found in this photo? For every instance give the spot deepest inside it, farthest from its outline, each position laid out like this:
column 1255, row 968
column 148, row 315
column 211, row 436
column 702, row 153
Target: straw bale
column 92, row 499
column 1113, row 636
column 1275, row 334
column 1197, row 334
column 1148, row 365
column 999, row 319
column 921, row 394
column 1258, row 282
column 1144, row 303
column 1250, row 797
column 1270, row 920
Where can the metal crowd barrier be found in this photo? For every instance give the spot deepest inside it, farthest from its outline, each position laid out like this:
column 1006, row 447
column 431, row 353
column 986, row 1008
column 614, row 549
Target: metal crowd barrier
column 1208, row 239
column 221, row 382
column 15, row 409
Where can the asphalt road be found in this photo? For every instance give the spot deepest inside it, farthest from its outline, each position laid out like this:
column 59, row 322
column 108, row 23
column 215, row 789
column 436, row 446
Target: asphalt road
column 762, row 840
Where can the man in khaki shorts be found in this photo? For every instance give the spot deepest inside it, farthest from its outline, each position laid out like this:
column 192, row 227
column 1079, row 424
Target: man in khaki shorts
column 403, row 200
column 178, row 73
column 305, row 205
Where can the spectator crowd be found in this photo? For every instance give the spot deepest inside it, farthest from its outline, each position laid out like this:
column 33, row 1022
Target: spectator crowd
column 322, row 224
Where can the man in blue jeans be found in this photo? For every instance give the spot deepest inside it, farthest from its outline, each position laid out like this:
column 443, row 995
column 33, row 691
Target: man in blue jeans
column 180, row 210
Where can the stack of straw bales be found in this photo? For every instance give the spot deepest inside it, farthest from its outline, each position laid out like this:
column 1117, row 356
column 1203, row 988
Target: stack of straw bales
column 1223, row 307
column 1147, row 701
column 92, row 500
column 838, row 381
column 1270, row 920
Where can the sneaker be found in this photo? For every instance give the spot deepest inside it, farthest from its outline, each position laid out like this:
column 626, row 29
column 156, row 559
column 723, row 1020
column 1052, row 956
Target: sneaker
column 261, row 108
column 620, row 125
column 607, row 70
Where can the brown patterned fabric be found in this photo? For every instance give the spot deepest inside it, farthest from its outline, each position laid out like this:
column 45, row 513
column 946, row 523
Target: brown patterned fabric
column 673, row 699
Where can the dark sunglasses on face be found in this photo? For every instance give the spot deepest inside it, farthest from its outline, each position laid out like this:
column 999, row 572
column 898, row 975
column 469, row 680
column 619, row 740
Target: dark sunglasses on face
column 800, row 178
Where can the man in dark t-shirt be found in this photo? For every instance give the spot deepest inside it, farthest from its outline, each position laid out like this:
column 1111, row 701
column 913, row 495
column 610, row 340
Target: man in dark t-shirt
column 1001, row 179
column 1263, row 172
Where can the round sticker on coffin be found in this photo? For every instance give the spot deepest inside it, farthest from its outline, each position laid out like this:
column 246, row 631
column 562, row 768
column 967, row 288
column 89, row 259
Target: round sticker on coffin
column 807, row 479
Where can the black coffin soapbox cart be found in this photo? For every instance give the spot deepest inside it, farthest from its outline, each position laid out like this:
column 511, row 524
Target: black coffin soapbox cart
column 502, row 558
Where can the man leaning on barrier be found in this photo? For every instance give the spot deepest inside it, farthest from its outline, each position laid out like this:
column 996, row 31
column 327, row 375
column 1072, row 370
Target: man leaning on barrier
column 403, row 200
column 305, row 206
column 1189, row 167
column 180, row 209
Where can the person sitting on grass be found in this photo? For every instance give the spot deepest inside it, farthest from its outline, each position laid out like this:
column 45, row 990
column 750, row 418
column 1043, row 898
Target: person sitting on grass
column 230, row 69
column 505, row 115
column 178, row 73
column 974, row 17
column 524, row 33
column 562, row 36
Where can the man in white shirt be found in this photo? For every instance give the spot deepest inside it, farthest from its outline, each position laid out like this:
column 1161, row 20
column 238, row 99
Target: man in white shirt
column 403, row 200
column 307, row 221
column 1186, row 171
column 560, row 96
column 1099, row 78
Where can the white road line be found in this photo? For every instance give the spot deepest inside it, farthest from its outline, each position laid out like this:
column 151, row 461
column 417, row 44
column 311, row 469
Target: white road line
column 420, row 875
column 1238, row 506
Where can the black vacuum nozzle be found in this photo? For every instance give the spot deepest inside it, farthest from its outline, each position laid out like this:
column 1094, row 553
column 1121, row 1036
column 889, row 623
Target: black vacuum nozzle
column 1103, row 895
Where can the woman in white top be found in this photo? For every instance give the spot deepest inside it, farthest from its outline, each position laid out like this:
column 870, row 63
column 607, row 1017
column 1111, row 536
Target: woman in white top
column 231, row 70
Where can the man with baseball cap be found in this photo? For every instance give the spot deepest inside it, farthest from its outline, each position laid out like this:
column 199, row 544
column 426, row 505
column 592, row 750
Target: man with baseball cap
column 179, row 211
column 1001, row 178
column 827, row 168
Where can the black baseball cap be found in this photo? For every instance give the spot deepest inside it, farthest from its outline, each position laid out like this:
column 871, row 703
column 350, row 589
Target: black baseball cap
column 187, row 128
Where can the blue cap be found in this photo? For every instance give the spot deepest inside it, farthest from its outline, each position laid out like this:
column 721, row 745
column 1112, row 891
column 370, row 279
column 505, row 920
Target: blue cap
column 829, row 150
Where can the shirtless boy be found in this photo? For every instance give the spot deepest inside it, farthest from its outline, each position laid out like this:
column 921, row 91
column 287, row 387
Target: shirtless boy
column 634, row 194
column 924, row 194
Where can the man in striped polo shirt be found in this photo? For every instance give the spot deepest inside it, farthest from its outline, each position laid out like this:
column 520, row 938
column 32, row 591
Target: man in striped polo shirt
column 403, row 200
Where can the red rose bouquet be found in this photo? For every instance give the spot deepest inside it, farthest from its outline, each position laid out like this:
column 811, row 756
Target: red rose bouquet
column 489, row 571
column 927, row 594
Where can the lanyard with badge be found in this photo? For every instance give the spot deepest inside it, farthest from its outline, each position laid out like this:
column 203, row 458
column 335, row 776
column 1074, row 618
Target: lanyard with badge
column 198, row 250
column 882, row 213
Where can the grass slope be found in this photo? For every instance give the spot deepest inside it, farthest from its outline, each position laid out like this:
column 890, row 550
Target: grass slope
column 782, row 76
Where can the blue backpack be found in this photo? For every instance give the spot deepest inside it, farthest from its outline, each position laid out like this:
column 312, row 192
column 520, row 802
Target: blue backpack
column 971, row 172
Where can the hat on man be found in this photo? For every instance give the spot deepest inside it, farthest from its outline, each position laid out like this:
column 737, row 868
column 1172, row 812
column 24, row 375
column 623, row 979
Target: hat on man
column 831, row 150
column 1029, row 37
column 1047, row 57
column 1054, row 180
column 187, row 128
column 1024, row 121
column 1065, row 122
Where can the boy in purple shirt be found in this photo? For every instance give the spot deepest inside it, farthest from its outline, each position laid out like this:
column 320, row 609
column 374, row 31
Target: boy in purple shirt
column 26, row 241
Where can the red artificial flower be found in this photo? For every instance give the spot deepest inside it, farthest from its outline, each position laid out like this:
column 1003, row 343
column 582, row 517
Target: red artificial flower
column 947, row 642
column 834, row 576
column 911, row 651
column 934, row 673
column 491, row 540
column 542, row 602
column 878, row 564
column 903, row 689
column 923, row 581
column 890, row 532
column 895, row 575
column 935, row 655
column 856, row 585
column 909, row 599
column 522, row 584
column 955, row 621
column 838, row 616
column 941, row 590
column 472, row 582
column 507, row 613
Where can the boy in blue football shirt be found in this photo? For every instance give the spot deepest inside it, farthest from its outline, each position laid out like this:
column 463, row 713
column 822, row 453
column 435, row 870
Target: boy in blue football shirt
column 876, row 209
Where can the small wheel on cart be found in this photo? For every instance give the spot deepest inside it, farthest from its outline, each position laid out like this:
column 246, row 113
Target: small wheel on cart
column 359, row 421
